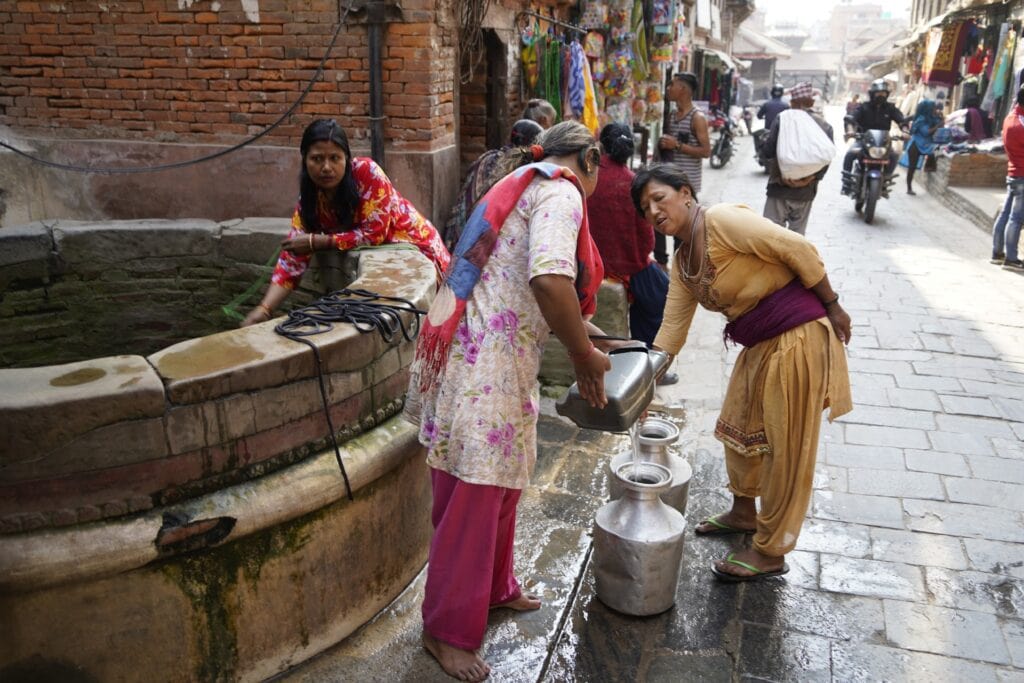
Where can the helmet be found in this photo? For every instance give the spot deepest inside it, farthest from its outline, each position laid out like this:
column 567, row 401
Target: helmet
column 777, row 90
column 878, row 86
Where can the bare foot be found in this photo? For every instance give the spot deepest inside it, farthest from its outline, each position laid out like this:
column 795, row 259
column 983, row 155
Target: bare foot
column 524, row 603
column 464, row 665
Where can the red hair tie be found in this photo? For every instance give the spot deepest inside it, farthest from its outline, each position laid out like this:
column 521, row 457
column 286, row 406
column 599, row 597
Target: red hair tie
column 538, row 152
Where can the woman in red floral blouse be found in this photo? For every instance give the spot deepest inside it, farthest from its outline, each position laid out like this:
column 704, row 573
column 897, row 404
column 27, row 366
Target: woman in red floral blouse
column 344, row 202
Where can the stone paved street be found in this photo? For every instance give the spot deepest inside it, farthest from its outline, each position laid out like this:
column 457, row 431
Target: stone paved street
column 911, row 561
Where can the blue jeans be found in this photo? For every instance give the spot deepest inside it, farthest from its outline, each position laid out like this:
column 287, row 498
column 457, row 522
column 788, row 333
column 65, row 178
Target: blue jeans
column 1006, row 231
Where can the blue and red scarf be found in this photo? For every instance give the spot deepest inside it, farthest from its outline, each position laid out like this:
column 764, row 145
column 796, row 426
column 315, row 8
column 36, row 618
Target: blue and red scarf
column 471, row 254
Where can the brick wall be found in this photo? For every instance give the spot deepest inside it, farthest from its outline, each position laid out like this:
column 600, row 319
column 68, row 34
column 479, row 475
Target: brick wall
column 208, row 71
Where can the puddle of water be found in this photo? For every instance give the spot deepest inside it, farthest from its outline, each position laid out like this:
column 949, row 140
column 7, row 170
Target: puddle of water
column 76, row 377
column 210, row 355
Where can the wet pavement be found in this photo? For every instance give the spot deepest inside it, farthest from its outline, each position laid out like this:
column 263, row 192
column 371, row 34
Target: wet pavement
column 910, row 565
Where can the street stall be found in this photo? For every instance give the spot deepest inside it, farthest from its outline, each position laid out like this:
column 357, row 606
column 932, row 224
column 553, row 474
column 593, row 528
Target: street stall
column 599, row 62
column 967, row 60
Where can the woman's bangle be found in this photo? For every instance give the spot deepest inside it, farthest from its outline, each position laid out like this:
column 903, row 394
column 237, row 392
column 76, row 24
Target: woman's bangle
column 583, row 355
column 266, row 309
column 826, row 304
column 311, row 243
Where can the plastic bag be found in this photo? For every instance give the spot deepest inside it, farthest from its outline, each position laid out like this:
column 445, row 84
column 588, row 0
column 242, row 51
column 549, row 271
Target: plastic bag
column 803, row 148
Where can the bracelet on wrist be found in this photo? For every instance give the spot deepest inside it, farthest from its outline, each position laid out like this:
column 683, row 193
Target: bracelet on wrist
column 266, row 310
column 582, row 355
column 830, row 302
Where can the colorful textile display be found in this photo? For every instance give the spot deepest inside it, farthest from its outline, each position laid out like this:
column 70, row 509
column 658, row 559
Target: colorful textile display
column 945, row 49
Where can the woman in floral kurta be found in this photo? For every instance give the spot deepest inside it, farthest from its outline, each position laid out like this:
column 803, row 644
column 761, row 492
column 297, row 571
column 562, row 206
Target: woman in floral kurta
column 730, row 261
column 480, row 423
column 477, row 414
column 374, row 213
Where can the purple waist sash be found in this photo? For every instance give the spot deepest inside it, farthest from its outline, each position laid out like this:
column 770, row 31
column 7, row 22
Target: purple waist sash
column 782, row 310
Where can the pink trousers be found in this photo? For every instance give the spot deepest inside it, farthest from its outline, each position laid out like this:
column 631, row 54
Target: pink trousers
column 470, row 558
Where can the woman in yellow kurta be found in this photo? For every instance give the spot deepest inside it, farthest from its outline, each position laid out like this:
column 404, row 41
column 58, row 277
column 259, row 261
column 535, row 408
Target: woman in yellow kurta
column 771, row 285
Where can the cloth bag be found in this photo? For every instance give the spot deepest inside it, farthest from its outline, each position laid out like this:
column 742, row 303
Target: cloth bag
column 803, row 147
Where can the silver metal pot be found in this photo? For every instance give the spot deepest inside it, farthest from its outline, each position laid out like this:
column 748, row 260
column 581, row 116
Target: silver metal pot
column 655, row 436
column 629, row 387
column 638, row 544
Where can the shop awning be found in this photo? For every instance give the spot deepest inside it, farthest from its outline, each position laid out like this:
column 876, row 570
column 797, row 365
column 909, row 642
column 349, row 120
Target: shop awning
column 727, row 60
column 880, row 69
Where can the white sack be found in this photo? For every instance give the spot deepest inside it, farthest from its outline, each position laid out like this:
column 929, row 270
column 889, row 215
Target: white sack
column 803, row 147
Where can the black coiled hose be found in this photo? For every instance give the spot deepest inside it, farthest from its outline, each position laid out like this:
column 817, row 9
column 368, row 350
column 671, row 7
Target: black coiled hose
column 367, row 311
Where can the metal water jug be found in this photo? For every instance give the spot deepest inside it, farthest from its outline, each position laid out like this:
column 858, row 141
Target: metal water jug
column 629, row 387
column 638, row 544
column 655, row 436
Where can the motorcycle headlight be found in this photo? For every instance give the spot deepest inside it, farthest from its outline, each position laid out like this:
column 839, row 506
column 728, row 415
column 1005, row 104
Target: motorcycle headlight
column 876, row 152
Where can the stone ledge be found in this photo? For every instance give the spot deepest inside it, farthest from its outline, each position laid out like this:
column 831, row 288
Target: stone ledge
column 35, row 560
column 198, row 414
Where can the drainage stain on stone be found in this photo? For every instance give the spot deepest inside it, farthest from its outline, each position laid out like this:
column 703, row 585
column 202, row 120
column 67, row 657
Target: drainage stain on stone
column 207, row 356
column 83, row 376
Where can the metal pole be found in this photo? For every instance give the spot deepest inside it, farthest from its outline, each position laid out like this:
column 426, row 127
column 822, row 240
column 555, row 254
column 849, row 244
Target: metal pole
column 375, row 16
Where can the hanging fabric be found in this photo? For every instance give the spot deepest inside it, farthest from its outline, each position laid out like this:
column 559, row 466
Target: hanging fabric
column 989, row 100
column 945, row 49
column 577, row 88
column 590, row 108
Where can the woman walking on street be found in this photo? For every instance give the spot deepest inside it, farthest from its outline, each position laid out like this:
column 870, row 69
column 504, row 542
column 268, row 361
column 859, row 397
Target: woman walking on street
column 525, row 265
column 922, row 141
column 771, row 285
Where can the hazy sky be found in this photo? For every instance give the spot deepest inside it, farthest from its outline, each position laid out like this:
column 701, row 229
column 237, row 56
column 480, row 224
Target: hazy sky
column 809, row 11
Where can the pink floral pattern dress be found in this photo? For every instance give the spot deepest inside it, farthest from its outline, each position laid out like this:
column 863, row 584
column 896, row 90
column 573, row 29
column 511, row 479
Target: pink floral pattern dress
column 479, row 421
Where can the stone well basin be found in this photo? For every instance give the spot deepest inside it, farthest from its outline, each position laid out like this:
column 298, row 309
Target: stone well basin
column 178, row 516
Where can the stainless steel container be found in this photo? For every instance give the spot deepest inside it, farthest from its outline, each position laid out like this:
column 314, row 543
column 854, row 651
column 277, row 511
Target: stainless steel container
column 629, row 386
column 656, row 434
column 638, row 544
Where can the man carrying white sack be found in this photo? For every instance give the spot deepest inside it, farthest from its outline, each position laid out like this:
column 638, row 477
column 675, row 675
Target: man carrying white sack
column 799, row 148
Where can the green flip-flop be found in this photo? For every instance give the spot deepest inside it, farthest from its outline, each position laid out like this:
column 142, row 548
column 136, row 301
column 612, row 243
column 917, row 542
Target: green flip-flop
column 756, row 576
column 720, row 528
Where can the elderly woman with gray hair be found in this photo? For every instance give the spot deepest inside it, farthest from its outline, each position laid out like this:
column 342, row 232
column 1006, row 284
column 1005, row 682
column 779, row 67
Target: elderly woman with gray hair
column 524, row 266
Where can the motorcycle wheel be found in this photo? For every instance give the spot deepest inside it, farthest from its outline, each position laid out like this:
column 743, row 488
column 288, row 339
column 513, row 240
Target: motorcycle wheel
column 873, row 190
column 716, row 158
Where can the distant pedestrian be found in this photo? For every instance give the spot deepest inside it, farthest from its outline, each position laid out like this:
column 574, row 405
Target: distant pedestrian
column 541, row 111
column 482, row 175
column 1006, row 230
column 789, row 201
column 852, row 105
column 686, row 140
column 922, row 141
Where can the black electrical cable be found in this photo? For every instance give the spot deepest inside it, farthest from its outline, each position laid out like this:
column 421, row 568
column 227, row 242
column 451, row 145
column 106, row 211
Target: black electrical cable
column 208, row 157
column 367, row 311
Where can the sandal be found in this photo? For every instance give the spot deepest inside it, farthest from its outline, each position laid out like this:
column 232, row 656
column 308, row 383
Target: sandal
column 756, row 576
column 720, row 528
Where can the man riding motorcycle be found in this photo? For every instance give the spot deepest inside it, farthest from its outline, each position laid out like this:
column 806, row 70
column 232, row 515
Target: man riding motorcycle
column 875, row 114
column 768, row 111
column 771, row 108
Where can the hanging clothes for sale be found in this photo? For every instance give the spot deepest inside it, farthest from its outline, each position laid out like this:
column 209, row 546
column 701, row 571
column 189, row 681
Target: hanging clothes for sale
column 944, row 52
column 577, row 89
column 1000, row 70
